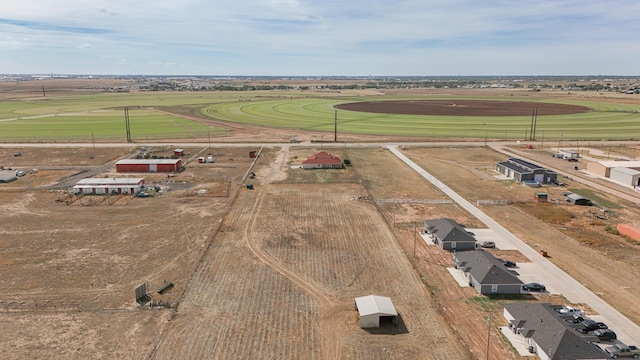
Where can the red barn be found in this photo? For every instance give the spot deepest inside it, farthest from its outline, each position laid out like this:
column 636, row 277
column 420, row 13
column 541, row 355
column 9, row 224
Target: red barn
column 148, row 165
column 322, row 160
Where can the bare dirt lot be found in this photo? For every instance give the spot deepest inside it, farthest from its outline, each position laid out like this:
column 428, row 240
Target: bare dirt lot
column 463, row 107
column 272, row 272
column 282, row 278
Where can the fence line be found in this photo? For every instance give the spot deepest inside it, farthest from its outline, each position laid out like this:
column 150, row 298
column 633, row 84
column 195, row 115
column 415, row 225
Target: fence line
column 494, row 202
column 413, row 201
column 358, row 181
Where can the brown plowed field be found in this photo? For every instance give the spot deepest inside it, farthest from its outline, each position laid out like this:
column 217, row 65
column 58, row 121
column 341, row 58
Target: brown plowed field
column 281, row 280
column 463, row 107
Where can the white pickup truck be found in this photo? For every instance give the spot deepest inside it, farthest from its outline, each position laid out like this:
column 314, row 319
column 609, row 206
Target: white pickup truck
column 568, row 310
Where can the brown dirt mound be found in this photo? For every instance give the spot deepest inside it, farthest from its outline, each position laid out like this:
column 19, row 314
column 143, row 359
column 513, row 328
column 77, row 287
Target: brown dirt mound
column 464, row 107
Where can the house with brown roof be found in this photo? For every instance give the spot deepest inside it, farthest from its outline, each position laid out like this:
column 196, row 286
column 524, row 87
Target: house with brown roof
column 322, row 160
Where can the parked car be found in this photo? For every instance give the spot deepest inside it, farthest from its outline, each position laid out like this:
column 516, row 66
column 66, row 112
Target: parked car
column 488, row 245
column 604, row 334
column 509, row 264
column 569, row 310
column 20, row 173
column 619, row 351
column 533, row 287
column 590, row 325
column 528, row 146
column 572, row 159
column 17, row 154
column 559, row 156
column 577, row 318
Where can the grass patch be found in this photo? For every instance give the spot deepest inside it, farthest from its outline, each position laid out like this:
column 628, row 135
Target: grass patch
column 548, row 213
column 594, row 197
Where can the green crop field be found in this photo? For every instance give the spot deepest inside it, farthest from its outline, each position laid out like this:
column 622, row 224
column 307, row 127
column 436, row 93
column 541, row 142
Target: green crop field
column 607, row 121
column 100, row 117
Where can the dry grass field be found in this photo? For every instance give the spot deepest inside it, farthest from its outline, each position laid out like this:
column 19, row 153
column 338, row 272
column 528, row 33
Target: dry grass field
column 271, row 273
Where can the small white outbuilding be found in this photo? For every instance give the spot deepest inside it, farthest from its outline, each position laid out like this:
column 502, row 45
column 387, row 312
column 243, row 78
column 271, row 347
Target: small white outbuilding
column 373, row 307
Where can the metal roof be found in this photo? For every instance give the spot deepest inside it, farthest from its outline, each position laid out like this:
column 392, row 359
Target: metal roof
column 110, row 181
column 525, row 164
column 514, row 167
column 7, row 175
column 626, row 170
column 147, row 161
column 374, row 304
column 614, row 164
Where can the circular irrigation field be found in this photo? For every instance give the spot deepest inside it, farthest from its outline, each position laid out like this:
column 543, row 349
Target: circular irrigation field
column 464, row 107
column 443, row 118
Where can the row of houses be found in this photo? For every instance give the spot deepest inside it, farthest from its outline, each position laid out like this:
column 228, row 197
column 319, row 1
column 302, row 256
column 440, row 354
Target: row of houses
column 545, row 330
column 484, row 272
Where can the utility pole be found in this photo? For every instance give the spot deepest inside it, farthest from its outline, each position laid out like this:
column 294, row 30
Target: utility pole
column 335, row 126
column 127, row 124
column 488, row 333
column 209, row 133
column 93, row 140
column 531, row 132
column 414, row 240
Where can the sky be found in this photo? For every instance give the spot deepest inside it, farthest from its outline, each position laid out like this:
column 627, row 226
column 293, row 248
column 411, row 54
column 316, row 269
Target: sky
column 320, row 37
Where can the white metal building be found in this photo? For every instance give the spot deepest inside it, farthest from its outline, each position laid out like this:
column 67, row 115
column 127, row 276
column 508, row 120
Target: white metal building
column 625, row 176
column 373, row 307
column 109, row 186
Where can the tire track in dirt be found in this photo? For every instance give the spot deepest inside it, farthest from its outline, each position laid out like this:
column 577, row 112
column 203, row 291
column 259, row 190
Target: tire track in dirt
column 325, row 304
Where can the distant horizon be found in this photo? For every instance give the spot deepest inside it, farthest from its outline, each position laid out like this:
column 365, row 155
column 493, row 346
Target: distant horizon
column 320, row 77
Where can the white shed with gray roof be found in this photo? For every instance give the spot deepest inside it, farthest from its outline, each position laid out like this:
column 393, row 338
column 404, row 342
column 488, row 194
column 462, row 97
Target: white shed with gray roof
column 625, row 176
column 373, row 307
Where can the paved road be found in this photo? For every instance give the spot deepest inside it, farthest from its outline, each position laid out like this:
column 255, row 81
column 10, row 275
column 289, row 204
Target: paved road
column 575, row 292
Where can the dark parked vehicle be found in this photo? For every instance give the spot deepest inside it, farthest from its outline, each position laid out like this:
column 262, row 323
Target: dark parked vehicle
column 576, row 319
column 509, row 264
column 604, row 334
column 533, row 287
column 590, row 325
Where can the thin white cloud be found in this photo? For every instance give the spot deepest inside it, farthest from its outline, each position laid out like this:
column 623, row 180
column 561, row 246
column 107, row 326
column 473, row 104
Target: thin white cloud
column 299, row 37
